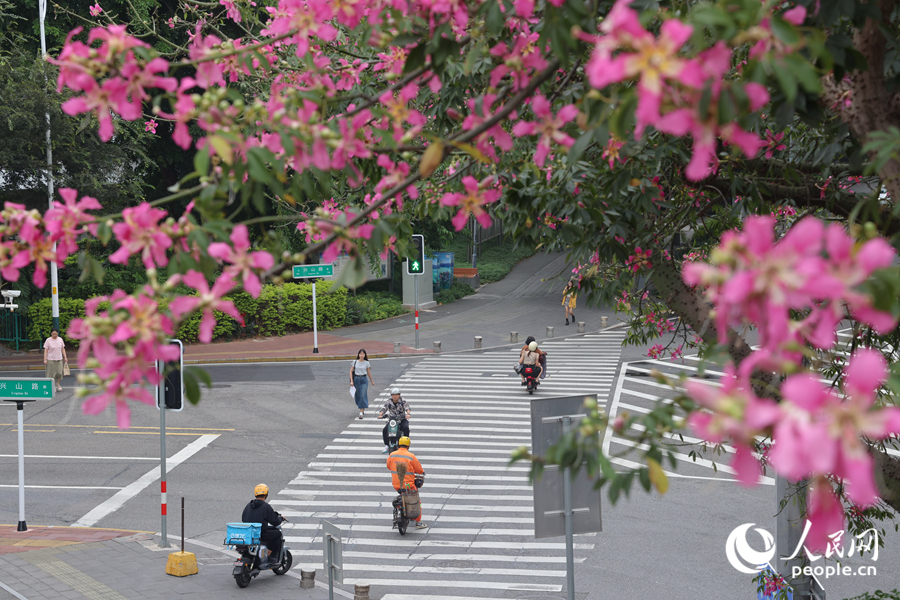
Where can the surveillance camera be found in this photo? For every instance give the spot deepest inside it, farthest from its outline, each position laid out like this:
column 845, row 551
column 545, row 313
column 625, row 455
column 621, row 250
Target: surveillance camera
column 11, row 293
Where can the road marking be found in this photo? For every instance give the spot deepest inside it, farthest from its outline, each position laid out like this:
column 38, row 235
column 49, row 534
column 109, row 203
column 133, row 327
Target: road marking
column 146, row 433
column 12, row 591
column 489, row 585
column 116, row 427
column 380, row 516
column 80, row 457
column 62, row 487
column 127, row 493
column 425, row 542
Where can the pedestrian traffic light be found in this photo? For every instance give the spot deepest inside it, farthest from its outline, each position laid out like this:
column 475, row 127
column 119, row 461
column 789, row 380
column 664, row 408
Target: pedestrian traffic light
column 170, row 392
column 415, row 265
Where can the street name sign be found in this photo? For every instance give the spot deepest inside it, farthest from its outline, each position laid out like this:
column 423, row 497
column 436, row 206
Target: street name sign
column 26, row 390
column 307, row 271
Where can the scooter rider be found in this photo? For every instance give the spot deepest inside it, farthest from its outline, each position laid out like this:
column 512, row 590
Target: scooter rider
column 395, row 408
column 532, row 358
column 259, row 511
column 415, row 474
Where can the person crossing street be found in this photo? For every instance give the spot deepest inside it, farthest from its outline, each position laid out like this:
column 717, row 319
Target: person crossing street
column 413, row 476
column 398, row 409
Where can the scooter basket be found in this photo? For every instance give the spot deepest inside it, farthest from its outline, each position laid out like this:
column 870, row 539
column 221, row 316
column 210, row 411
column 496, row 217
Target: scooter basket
column 242, row 533
column 412, row 503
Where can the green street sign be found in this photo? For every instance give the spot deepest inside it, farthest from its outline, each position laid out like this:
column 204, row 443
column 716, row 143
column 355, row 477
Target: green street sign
column 305, row 271
column 24, row 390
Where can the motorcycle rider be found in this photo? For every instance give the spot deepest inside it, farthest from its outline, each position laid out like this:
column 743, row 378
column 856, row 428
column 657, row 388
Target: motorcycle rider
column 543, row 356
column 259, row 511
column 395, row 408
column 414, row 468
column 533, row 358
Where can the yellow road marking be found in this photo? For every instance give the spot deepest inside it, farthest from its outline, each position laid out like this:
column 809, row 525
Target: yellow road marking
column 145, row 433
column 35, row 430
column 116, row 426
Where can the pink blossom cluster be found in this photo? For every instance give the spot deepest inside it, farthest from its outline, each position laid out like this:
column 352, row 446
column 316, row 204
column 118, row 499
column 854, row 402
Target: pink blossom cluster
column 669, row 86
column 477, row 195
column 813, row 271
column 126, row 77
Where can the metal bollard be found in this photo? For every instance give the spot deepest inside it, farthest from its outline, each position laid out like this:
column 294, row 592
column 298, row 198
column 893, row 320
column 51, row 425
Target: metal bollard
column 580, row 326
column 397, row 347
column 307, row 579
column 549, row 332
column 513, row 337
column 478, row 341
column 604, row 321
column 437, row 346
column 360, row 592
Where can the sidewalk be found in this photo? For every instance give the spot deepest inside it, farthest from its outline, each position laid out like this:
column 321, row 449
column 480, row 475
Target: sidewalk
column 526, row 301
column 49, row 563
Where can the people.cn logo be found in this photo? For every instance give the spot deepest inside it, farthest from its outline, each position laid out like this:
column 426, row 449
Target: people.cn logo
column 740, row 554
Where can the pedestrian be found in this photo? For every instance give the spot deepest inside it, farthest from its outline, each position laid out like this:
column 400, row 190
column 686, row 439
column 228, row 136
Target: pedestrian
column 55, row 357
column 570, row 293
column 359, row 371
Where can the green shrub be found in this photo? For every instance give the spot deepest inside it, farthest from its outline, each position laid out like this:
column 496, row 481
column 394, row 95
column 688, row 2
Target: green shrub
column 878, row 595
column 372, row 306
column 456, row 291
column 41, row 314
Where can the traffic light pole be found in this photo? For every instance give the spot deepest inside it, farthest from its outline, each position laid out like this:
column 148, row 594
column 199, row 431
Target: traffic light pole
column 416, row 291
column 315, row 321
column 164, row 540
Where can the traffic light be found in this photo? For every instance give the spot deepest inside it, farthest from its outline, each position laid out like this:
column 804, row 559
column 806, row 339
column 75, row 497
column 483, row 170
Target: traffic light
column 415, row 265
column 171, row 388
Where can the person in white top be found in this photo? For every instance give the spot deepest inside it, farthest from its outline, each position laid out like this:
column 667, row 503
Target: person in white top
column 359, row 371
column 55, row 357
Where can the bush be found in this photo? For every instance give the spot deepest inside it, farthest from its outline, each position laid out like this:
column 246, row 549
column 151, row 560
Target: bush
column 41, row 313
column 372, row 306
column 456, row 291
column 879, row 595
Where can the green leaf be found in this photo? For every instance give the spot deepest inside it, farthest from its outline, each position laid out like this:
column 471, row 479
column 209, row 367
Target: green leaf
column 494, row 20
column 104, row 232
column 580, row 146
column 804, row 72
column 256, row 165
column 415, row 59
column 404, row 39
column 201, row 161
column 191, row 388
column 222, row 147
column 786, row 80
column 784, row 31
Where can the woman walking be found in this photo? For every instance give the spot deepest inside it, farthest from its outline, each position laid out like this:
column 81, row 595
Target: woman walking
column 55, row 357
column 359, row 371
column 570, row 293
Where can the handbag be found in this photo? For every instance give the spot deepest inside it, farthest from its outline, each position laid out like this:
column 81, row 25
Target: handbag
column 518, row 368
column 66, row 371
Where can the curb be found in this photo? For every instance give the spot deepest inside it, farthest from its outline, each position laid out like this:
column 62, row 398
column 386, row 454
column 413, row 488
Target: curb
column 214, row 361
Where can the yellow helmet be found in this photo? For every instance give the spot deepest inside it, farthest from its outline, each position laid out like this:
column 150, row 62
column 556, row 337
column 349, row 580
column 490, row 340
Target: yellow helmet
column 261, row 490
column 404, row 441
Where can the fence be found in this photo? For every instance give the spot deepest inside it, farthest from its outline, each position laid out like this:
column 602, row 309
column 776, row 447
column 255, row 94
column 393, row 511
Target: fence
column 485, row 234
column 14, row 328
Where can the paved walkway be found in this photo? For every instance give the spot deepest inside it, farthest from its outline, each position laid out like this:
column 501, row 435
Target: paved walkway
column 50, row 563
column 527, row 301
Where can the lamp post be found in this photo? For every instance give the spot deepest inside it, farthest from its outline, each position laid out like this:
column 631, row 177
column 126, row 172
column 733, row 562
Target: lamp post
column 54, row 276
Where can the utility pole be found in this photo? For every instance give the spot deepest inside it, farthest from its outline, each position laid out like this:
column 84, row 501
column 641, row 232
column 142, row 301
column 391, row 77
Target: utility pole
column 54, row 275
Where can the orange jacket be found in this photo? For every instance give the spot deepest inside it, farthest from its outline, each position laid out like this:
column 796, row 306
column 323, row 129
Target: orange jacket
column 413, row 467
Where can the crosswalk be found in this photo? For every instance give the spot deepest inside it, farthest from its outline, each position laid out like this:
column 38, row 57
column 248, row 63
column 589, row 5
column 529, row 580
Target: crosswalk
column 468, row 414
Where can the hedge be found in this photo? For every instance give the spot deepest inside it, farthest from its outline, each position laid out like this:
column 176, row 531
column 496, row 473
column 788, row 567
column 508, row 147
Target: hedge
column 278, row 311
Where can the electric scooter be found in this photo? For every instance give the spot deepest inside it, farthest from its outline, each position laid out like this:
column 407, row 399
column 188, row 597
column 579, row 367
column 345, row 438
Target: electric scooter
column 247, row 566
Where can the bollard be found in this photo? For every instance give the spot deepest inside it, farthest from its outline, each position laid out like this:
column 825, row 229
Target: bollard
column 182, row 564
column 604, row 321
column 397, row 347
column 360, row 592
column 478, row 341
column 580, row 326
column 437, row 346
column 307, row 579
column 549, row 332
column 513, row 337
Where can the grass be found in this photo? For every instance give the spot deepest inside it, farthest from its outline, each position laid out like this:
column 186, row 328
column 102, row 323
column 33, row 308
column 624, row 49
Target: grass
column 495, row 261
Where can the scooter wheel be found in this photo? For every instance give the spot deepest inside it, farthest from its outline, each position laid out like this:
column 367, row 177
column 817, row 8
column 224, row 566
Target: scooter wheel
column 286, row 561
column 530, row 391
column 401, row 526
column 243, row 578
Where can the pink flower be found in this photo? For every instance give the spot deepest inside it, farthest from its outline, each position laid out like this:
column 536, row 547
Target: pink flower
column 63, row 221
column 520, row 62
column 96, row 10
column 472, row 201
column 232, row 11
column 208, row 300
column 773, row 143
column 139, row 232
column 549, row 127
column 243, row 263
column 494, row 136
column 150, row 125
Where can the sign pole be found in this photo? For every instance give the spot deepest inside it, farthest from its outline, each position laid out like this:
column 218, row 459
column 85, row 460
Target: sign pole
column 20, row 421
column 315, row 322
column 570, row 517
column 416, row 291
column 161, row 400
column 330, row 566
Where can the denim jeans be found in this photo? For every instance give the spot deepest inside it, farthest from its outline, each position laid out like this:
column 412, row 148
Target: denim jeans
column 362, row 391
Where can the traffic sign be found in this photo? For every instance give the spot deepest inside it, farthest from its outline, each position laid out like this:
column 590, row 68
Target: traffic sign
column 307, row 271
column 416, row 263
column 333, row 553
column 170, row 390
column 26, row 390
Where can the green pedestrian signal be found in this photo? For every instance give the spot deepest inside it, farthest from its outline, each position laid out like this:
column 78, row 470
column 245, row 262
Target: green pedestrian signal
column 416, row 263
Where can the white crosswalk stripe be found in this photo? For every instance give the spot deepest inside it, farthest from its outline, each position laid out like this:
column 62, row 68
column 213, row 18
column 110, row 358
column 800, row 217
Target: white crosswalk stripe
column 468, row 414
column 636, row 391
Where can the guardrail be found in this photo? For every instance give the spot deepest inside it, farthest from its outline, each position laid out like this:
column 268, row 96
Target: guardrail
column 14, row 328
